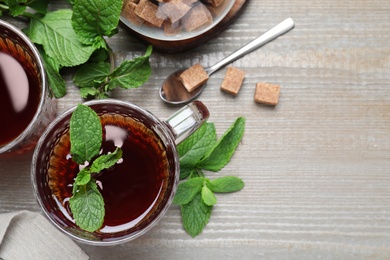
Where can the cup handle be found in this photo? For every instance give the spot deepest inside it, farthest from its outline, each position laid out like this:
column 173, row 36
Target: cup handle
column 187, row 120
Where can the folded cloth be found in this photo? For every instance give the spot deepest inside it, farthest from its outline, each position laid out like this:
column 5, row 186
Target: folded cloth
column 28, row 235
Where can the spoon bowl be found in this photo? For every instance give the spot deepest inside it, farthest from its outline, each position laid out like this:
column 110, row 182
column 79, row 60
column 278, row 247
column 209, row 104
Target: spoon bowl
column 173, row 91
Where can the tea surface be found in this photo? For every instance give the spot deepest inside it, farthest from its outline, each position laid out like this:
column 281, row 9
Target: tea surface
column 19, row 98
column 133, row 188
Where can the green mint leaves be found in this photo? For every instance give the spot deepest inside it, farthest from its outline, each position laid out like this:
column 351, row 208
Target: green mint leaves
column 87, row 204
column 75, row 37
column 85, row 134
column 93, row 19
column 219, row 155
column 202, row 151
column 196, row 198
column 87, row 207
column 195, row 215
column 95, row 79
column 55, row 33
column 18, row 7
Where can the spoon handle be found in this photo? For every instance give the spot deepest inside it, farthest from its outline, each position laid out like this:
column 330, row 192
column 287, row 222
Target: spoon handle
column 266, row 37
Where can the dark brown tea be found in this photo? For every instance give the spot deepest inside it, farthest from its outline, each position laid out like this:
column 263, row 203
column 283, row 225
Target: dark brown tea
column 134, row 190
column 19, row 97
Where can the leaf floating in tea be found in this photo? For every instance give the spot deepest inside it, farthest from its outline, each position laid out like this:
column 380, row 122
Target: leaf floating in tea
column 106, row 161
column 83, row 177
column 85, row 134
column 87, row 206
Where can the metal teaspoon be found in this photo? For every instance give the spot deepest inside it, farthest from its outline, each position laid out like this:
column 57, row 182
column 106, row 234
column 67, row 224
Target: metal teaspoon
column 173, row 92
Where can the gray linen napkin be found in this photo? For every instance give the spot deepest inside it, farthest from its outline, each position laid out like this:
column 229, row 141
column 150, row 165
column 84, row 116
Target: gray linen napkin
column 28, row 235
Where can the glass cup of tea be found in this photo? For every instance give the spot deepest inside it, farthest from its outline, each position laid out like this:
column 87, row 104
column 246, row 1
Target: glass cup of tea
column 26, row 105
column 138, row 191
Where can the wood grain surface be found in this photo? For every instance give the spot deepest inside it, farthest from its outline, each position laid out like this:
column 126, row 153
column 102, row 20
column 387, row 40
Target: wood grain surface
column 316, row 166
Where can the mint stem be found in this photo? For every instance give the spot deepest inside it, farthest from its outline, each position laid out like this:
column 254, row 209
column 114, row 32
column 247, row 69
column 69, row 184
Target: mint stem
column 29, row 15
column 199, row 172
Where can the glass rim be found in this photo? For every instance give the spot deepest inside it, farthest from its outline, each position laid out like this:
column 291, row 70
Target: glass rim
column 135, row 234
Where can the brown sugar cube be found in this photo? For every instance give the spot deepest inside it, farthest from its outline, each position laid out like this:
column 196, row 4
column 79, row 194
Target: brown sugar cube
column 147, row 11
column 172, row 28
column 193, row 77
column 174, row 10
column 190, row 2
column 233, row 80
column 267, row 93
column 198, row 15
column 214, row 3
column 129, row 14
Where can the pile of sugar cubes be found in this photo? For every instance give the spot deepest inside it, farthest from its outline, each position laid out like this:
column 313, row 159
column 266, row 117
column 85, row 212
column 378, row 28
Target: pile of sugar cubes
column 173, row 16
column 265, row 93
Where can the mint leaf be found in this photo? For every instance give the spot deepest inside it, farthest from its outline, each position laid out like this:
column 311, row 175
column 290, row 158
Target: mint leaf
column 87, row 206
column 106, row 161
column 202, row 151
column 101, row 54
column 186, row 191
column 186, row 171
column 192, row 149
column 18, row 10
column 223, row 150
column 39, row 5
column 55, row 32
column 226, row 184
column 56, row 82
column 208, row 196
column 91, row 74
column 83, row 177
column 95, row 18
column 87, row 92
column 85, row 134
column 195, row 215
column 16, row 7
column 132, row 73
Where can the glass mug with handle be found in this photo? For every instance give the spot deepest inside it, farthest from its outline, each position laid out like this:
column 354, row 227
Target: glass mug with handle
column 27, row 106
column 138, row 190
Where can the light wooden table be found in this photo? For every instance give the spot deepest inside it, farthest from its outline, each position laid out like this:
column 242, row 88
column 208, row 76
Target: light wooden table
column 316, row 167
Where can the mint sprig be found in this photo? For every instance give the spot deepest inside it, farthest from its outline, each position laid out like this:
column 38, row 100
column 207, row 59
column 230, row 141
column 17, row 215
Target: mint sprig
column 96, row 79
column 18, row 7
column 85, row 134
column 75, row 37
column 87, row 204
column 202, row 151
